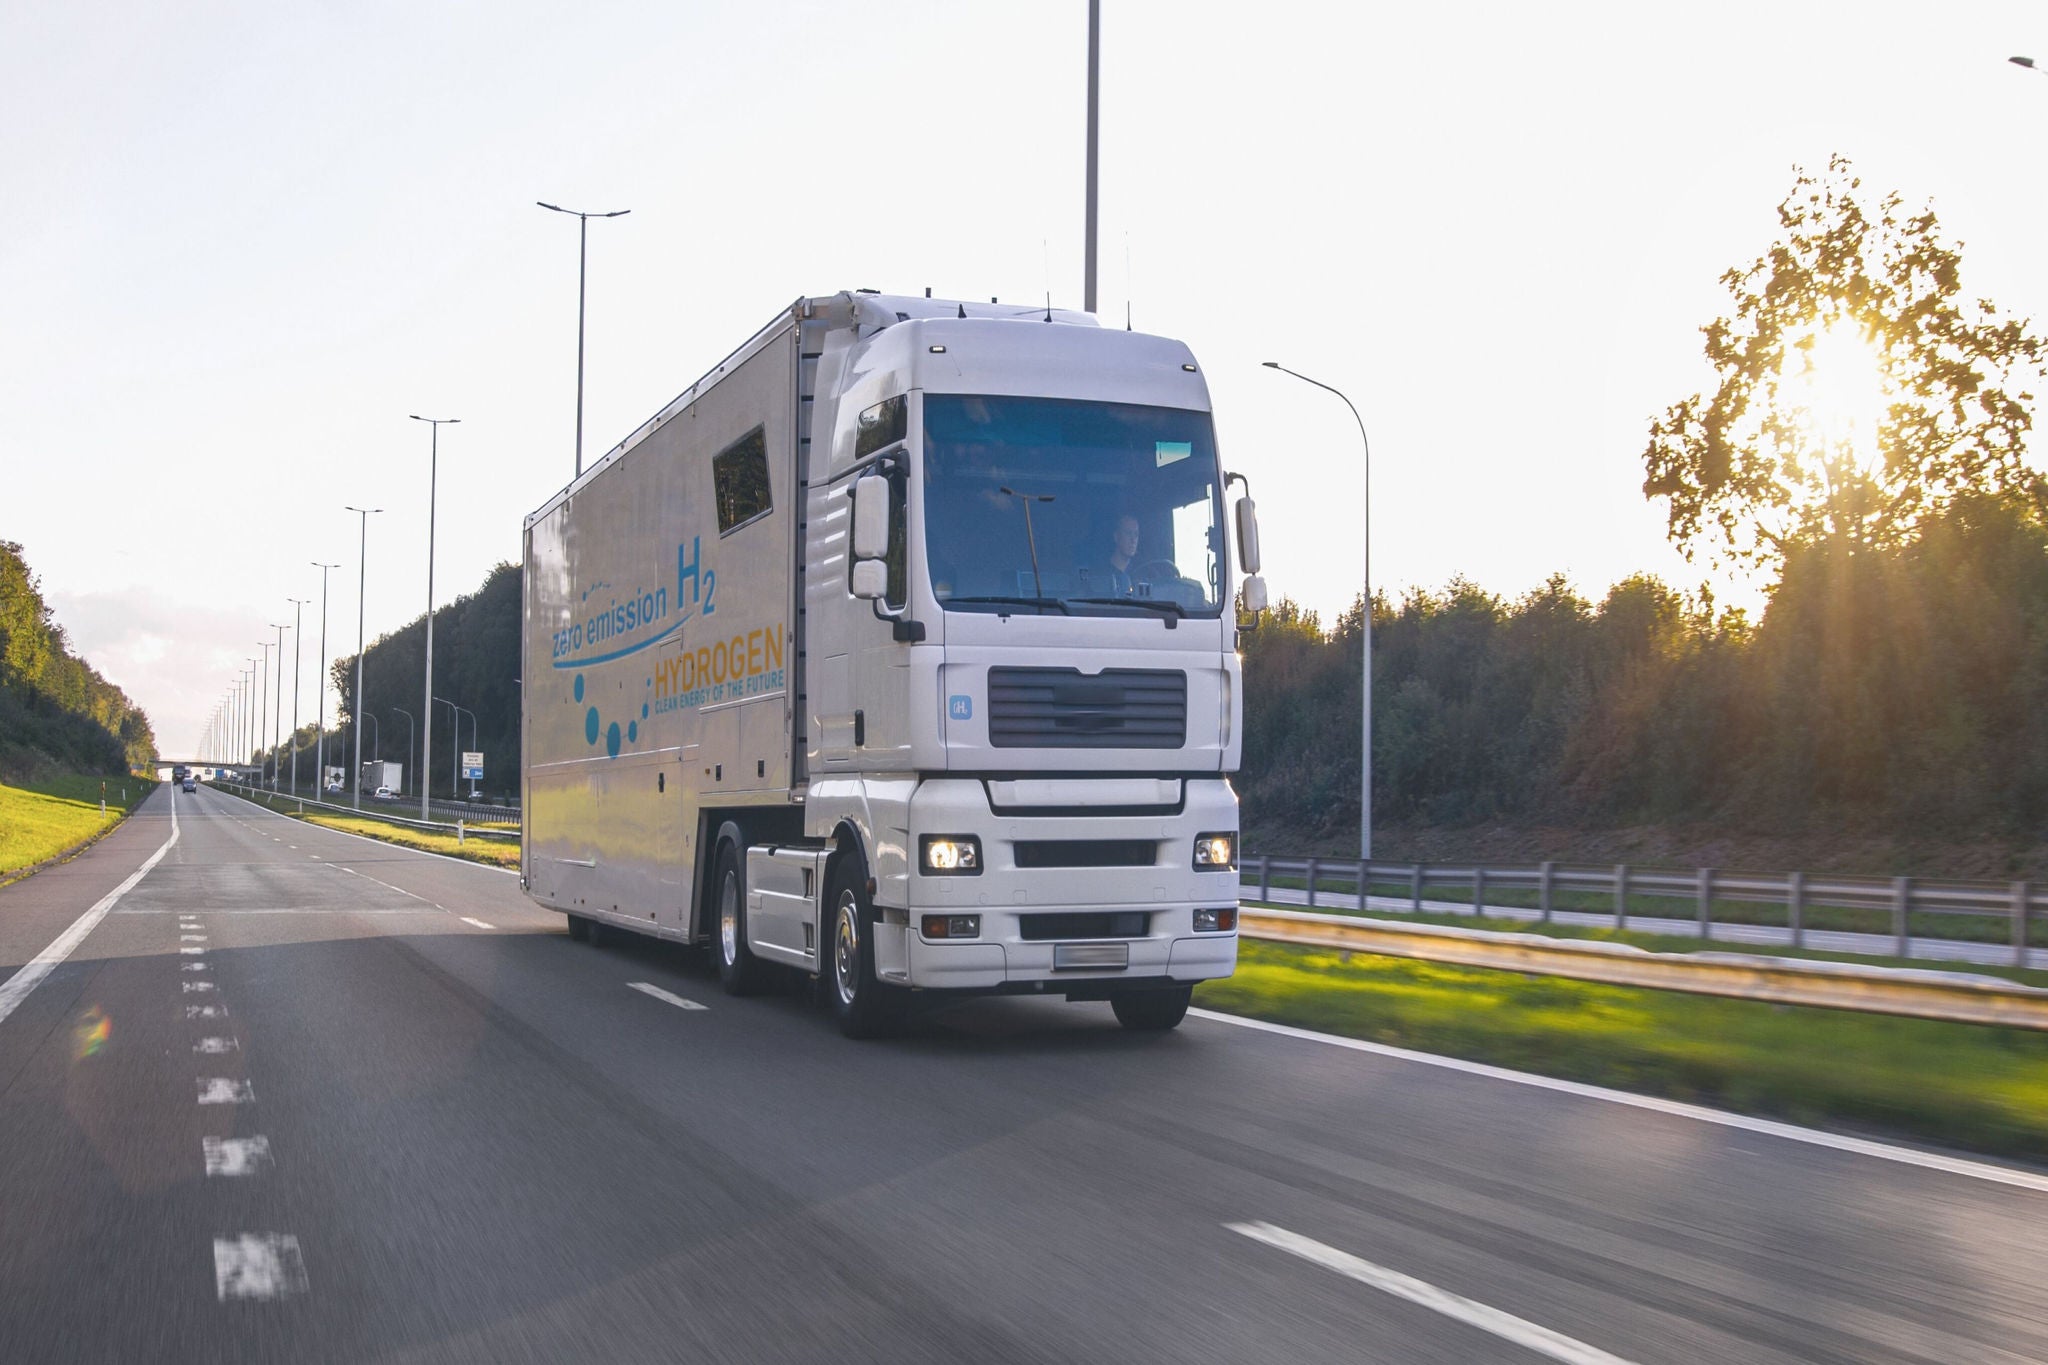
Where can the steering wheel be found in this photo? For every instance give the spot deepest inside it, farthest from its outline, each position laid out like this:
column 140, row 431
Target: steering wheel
column 1155, row 571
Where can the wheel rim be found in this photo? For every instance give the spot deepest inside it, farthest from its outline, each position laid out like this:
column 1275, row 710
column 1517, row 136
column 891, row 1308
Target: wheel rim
column 846, row 948
column 729, row 918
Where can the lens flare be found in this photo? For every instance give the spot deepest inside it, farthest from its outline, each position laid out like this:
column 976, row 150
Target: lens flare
column 90, row 1034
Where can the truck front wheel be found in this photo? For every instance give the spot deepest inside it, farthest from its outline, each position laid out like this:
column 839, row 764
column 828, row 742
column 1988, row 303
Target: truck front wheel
column 739, row 971
column 858, row 1000
column 1152, row 1011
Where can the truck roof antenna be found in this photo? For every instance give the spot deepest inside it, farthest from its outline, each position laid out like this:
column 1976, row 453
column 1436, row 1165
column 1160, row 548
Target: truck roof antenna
column 1048, row 305
column 963, row 310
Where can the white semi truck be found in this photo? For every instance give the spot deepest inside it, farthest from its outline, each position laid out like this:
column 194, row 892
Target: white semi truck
column 900, row 650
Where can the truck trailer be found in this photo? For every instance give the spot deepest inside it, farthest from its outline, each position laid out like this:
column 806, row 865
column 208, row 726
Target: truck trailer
column 382, row 774
column 900, row 650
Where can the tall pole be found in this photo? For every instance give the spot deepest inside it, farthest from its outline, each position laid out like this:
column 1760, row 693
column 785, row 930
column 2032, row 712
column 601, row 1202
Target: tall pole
column 1365, row 625
column 249, row 712
column 1094, row 87
column 454, row 748
column 582, row 276
column 320, row 678
column 277, row 714
column 298, row 610
column 427, row 720
column 411, row 731
column 362, row 580
column 263, row 711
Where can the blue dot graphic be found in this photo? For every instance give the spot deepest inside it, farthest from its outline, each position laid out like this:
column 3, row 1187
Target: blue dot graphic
column 579, row 687
column 633, row 731
column 611, row 740
column 590, row 726
column 643, row 710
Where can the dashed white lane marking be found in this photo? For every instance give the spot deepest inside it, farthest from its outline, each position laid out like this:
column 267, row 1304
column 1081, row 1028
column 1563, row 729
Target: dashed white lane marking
column 649, row 988
column 1504, row 1325
column 191, row 966
column 206, row 1011
column 42, row 964
column 216, row 1045
column 386, row 885
column 1791, row 1132
column 191, row 938
column 225, row 1090
column 236, row 1156
column 192, row 952
column 195, row 987
column 477, row 922
column 258, row 1265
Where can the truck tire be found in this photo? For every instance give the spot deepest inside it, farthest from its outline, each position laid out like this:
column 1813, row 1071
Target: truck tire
column 579, row 929
column 860, row 1003
column 1152, row 1011
column 739, row 971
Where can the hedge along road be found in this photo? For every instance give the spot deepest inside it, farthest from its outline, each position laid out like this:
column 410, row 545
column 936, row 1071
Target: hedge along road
column 478, row 1139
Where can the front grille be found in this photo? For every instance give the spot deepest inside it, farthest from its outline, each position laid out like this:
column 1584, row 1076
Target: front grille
column 1087, row 852
column 1061, row 708
column 1076, row 924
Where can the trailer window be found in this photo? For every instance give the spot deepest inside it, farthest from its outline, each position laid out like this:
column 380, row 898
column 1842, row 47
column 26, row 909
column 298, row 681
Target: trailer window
column 740, row 473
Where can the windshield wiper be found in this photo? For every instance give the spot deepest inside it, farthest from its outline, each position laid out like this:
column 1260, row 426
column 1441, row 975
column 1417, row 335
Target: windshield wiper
column 1017, row 602
column 1150, row 603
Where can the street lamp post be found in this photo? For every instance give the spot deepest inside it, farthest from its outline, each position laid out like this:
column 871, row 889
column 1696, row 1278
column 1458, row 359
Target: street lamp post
column 1365, row 625
column 249, row 711
column 363, row 515
column 455, row 746
column 376, row 737
column 1094, row 84
column 582, row 275
column 277, row 713
column 263, row 711
column 320, row 679
column 298, row 610
column 427, row 720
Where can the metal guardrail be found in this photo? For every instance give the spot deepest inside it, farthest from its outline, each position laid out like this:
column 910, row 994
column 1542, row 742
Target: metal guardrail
column 1897, row 898
column 460, row 828
column 1957, row 997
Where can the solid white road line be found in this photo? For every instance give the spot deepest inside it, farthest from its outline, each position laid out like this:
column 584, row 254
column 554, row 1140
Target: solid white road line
column 649, row 988
column 1506, row 1326
column 258, row 1265
column 236, row 1156
column 1791, row 1132
column 477, row 922
column 42, row 964
column 223, row 1090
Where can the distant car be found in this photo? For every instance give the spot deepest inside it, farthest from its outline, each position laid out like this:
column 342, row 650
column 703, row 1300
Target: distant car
column 191, row 785
column 384, row 794
column 334, row 789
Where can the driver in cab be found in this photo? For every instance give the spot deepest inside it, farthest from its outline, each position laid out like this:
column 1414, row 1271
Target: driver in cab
column 1124, row 550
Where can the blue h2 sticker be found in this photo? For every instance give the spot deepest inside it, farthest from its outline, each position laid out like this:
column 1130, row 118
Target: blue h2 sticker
column 960, row 708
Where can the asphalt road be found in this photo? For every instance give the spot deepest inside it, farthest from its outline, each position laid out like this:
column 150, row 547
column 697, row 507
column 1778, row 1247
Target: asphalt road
column 481, row 1141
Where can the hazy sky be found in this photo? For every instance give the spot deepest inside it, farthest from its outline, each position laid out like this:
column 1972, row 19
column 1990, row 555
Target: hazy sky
column 239, row 243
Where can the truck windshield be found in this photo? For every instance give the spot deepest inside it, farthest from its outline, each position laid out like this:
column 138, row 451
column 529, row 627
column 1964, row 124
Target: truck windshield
column 1072, row 507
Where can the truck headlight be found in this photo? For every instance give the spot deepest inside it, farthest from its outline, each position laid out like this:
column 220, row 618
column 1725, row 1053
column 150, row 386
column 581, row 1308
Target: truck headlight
column 1215, row 852
column 1216, row 921
column 950, row 855
column 952, row 926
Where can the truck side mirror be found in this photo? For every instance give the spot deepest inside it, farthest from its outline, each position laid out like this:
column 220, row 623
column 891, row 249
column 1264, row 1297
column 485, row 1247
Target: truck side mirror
column 870, row 579
column 1254, row 592
column 1247, row 535
column 870, row 519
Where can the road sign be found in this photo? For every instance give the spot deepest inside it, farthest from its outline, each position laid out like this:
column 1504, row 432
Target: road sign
column 472, row 767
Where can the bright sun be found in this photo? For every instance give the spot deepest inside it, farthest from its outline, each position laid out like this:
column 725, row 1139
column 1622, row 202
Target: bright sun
column 1834, row 377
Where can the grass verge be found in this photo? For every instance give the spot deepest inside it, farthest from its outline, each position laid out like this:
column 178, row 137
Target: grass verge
column 1675, row 943
column 50, row 817
column 497, row 852
column 1963, row 1085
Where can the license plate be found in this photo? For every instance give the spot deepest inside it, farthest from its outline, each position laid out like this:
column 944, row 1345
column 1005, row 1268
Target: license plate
column 1068, row 957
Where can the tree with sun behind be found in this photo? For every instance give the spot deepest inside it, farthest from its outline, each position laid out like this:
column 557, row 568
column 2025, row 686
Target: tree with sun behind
column 1858, row 393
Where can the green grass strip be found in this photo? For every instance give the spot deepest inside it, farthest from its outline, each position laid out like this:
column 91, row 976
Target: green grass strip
column 45, row 819
column 494, row 852
column 1962, row 1085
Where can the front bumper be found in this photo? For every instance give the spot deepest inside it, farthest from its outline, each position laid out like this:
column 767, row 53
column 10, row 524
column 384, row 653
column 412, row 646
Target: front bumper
column 1007, row 896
